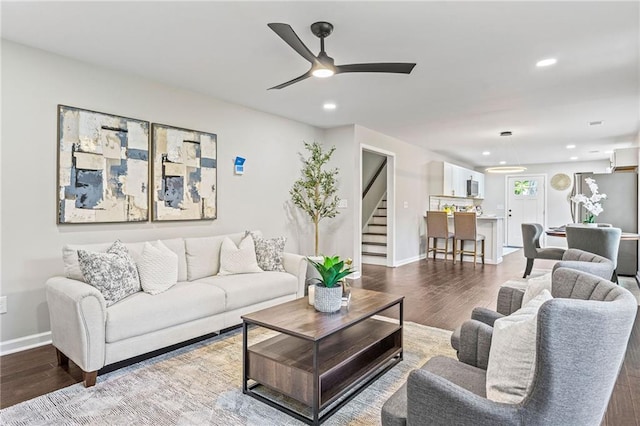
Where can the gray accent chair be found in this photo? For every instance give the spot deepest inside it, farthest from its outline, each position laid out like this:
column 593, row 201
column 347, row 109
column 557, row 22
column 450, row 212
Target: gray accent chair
column 531, row 233
column 603, row 241
column 581, row 343
column 510, row 298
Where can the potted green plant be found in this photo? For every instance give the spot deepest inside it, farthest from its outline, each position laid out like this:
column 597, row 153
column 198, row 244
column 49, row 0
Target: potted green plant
column 315, row 192
column 328, row 288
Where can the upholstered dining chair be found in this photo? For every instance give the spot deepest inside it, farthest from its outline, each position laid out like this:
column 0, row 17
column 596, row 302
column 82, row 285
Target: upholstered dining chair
column 531, row 233
column 438, row 227
column 581, row 340
column 466, row 229
column 603, row 241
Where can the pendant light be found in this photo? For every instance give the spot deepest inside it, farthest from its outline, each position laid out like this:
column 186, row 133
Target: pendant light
column 505, row 149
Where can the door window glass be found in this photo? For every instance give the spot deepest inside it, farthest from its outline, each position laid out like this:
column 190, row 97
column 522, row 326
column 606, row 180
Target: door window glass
column 525, row 187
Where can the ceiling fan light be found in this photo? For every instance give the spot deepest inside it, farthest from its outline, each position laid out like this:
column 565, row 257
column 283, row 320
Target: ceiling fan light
column 322, row 72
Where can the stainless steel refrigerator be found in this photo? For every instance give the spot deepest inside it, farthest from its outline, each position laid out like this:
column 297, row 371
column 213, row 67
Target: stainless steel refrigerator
column 620, row 210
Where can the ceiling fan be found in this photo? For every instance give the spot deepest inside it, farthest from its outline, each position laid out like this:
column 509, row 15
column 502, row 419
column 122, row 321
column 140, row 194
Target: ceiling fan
column 322, row 65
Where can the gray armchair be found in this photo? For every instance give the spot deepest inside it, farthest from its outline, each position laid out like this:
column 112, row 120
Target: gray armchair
column 581, row 343
column 601, row 241
column 531, row 233
column 510, row 298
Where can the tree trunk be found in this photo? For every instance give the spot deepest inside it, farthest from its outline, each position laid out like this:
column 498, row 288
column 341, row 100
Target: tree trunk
column 315, row 222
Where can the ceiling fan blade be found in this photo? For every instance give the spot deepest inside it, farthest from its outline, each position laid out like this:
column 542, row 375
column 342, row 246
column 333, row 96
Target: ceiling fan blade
column 291, row 38
column 290, row 82
column 393, row 67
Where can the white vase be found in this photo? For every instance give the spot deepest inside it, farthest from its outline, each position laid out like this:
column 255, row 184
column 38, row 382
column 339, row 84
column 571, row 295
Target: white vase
column 312, row 293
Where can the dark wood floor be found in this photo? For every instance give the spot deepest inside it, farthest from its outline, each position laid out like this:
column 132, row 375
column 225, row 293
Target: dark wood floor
column 438, row 294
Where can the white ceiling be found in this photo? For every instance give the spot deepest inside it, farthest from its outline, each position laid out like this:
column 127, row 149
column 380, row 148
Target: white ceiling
column 475, row 77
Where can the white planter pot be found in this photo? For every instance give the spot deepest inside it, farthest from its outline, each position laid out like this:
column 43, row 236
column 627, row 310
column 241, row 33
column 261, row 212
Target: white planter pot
column 328, row 299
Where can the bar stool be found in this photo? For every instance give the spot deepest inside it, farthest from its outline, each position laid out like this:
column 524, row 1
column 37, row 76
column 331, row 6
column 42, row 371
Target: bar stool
column 438, row 227
column 465, row 229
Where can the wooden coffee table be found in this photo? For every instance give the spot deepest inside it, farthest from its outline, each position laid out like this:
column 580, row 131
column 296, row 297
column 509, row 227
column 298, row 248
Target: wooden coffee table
column 321, row 360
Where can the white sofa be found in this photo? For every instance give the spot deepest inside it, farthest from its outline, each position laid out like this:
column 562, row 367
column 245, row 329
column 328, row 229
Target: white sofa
column 93, row 335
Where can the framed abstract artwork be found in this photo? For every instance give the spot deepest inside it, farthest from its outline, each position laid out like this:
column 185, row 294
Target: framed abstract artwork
column 184, row 174
column 103, row 167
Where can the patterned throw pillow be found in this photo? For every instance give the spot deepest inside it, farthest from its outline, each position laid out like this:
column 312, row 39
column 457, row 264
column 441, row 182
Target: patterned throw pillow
column 158, row 268
column 269, row 252
column 113, row 273
column 238, row 260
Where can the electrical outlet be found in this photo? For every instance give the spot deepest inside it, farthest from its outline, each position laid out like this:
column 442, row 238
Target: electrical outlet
column 406, row 204
column 3, row 305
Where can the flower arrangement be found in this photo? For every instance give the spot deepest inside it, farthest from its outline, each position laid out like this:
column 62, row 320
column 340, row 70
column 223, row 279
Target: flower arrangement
column 591, row 204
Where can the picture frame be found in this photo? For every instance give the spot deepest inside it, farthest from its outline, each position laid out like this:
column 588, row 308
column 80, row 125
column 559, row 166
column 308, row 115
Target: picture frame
column 184, row 174
column 102, row 167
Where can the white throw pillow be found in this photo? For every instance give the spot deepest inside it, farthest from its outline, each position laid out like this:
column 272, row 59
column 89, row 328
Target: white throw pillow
column 535, row 287
column 238, row 260
column 512, row 357
column 158, row 268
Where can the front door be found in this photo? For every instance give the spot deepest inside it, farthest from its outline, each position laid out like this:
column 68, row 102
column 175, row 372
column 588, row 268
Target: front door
column 525, row 204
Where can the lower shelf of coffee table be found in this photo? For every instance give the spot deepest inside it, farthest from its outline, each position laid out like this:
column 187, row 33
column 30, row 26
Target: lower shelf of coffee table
column 285, row 363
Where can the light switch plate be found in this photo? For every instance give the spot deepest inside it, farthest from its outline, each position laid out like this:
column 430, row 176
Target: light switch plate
column 406, row 204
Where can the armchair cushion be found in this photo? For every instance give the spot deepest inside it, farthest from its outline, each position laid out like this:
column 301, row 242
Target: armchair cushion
column 535, row 286
column 512, row 357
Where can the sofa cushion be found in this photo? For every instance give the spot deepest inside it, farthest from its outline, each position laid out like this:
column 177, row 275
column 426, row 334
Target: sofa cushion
column 247, row 289
column 72, row 268
column 113, row 273
column 239, row 259
column 203, row 255
column 143, row 313
column 158, row 268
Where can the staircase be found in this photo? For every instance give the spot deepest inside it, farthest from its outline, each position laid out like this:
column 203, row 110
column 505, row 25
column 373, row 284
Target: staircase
column 374, row 236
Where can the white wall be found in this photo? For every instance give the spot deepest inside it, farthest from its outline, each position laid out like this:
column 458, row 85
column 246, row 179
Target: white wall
column 558, row 207
column 35, row 82
column 411, row 167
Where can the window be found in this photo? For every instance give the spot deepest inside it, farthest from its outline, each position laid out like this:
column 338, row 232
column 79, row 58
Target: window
column 526, row 187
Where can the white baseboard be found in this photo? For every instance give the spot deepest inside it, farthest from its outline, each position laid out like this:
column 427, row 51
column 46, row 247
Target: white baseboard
column 23, row 343
column 409, row 260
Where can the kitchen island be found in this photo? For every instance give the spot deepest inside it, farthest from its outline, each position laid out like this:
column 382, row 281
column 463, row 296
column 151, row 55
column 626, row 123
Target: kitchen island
column 492, row 227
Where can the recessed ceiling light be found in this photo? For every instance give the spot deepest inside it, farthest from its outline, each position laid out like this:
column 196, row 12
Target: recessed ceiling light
column 596, row 123
column 546, row 62
column 329, row 105
column 503, row 162
column 486, row 153
column 571, row 146
column 608, row 152
column 573, row 158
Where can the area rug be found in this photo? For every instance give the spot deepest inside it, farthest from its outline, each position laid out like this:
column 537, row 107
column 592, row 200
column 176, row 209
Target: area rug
column 201, row 385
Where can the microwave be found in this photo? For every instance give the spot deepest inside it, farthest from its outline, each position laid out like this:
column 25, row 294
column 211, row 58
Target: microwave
column 472, row 188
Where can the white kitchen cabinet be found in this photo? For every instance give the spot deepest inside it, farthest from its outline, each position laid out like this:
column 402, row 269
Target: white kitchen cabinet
column 451, row 180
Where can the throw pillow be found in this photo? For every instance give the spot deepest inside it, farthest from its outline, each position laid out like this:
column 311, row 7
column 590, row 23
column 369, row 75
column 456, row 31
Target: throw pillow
column 113, row 273
column 158, row 268
column 535, row 287
column 269, row 252
column 238, row 260
column 512, row 356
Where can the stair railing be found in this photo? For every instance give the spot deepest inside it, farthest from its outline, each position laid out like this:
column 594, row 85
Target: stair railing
column 375, row 176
